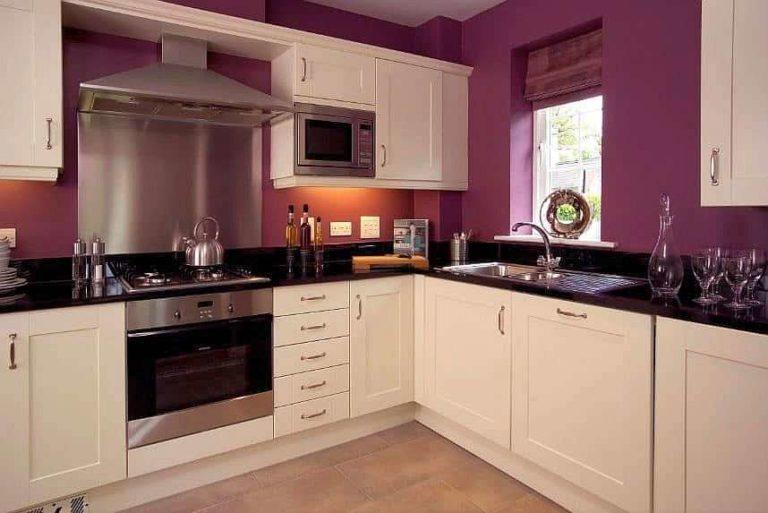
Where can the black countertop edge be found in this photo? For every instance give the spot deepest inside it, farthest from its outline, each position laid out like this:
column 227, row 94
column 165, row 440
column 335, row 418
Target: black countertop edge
column 639, row 300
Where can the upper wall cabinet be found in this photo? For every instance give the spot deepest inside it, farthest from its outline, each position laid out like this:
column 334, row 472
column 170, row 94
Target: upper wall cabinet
column 30, row 90
column 734, row 102
column 409, row 121
column 321, row 75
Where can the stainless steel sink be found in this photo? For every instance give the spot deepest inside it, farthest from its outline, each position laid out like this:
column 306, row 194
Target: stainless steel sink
column 570, row 281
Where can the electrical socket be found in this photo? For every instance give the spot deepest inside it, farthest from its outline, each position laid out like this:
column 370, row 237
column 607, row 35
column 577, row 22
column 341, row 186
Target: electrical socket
column 369, row 227
column 341, row 228
column 10, row 233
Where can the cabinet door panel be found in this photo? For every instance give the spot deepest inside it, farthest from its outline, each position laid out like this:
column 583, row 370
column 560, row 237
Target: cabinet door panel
column 14, row 412
column 335, row 75
column 409, row 122
column 381, row 344
column 77, row 432
column 711, row 419
column 467, row 356
column 568, row 372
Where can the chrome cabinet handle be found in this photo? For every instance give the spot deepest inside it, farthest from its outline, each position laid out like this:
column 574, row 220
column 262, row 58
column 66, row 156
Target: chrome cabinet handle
column 315, row 327
column 566, row 313
column 12, row 350
column 359, row 307
column 48, row 145
column 304, row 416
column 501, row 320
column 714, row 167
column 304, row 72
column 384, row 160
column 314, row 356
column 316, row 385
column 313, row 298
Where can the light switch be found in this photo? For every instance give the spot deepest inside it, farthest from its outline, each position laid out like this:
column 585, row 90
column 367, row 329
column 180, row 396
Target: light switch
column 369, row 227
column 10, row 233
column 341, row 228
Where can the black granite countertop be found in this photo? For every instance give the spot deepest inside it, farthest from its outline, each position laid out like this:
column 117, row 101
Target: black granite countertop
column 59, row 294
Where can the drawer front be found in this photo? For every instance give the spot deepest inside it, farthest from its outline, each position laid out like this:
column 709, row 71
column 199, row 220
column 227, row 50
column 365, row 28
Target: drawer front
column 310, row 298
column 311, row 356
column 294, row 329
column 309, row 414
column 311, row 385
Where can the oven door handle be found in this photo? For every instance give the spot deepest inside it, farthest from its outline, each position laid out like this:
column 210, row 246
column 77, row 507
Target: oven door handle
column 189, row 328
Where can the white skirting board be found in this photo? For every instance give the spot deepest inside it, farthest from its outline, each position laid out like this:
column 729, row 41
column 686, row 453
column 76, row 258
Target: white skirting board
column 568, row 495
column 164, row 483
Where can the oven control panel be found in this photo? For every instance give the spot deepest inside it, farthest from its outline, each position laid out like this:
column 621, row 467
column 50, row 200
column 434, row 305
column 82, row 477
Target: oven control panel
column 174, row 311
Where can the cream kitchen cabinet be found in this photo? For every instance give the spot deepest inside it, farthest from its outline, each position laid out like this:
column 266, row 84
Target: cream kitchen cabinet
column 409, row 122
column 31, row 89
column 711, row 423
column 313, row 74
column 734, row 102
column 63, row 402
column 465, row 366
column 582, row 396
column 381, row 344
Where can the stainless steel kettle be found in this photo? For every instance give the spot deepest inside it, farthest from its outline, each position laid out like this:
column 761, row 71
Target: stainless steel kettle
column 204, row 250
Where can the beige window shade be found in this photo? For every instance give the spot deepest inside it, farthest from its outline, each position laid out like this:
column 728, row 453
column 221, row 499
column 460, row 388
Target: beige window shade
column 565, row 67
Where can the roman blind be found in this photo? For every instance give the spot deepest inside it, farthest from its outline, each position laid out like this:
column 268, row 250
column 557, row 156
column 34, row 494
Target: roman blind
column 566, row 67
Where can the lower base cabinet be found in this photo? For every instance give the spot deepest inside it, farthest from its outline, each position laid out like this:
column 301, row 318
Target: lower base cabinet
column 62, row 394
column 465, row 370
column 380, row 344
column 711, row 450
column 582, row 396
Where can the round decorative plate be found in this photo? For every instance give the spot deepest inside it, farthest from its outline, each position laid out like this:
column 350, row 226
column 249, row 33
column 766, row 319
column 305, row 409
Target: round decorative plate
column 567, row 213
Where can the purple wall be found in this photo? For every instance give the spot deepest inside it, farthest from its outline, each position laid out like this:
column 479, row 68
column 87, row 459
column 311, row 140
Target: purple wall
column 651, row 120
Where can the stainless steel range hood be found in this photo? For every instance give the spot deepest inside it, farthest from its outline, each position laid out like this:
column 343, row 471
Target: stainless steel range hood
column 180, row 88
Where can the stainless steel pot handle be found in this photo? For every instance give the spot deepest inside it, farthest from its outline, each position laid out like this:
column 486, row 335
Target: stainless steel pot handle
column 714, row 167
column 501, row 320
column 203, row 220
column 304, row 416
column 566, row 313
column 12, row 350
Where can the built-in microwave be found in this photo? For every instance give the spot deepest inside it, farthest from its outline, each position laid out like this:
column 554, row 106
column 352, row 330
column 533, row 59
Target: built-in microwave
column 332, row 141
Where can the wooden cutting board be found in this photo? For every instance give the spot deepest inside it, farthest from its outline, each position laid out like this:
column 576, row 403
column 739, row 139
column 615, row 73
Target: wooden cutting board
column 388, row 261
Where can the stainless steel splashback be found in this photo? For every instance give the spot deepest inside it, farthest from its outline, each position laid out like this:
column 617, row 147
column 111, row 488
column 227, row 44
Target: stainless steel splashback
column 143, row 184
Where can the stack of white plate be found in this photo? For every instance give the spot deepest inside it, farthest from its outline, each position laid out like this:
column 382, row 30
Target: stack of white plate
column 9, row 277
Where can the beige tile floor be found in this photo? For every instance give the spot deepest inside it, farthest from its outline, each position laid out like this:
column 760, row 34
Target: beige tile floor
column 404, row 469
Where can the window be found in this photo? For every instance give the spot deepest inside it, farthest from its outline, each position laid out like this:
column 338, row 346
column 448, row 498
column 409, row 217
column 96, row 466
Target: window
column 569, row 140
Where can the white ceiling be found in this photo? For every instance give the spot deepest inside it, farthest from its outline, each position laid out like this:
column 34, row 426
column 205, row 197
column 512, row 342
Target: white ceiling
column 412, row 12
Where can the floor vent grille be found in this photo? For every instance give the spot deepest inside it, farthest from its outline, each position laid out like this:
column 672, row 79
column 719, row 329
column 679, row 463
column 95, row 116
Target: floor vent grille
column 76, row 504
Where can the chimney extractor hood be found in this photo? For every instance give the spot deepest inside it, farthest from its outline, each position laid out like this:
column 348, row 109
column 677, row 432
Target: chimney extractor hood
column 180, row 88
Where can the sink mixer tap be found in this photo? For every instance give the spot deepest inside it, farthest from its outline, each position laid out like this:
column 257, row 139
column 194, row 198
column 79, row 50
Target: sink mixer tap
column 546, row 261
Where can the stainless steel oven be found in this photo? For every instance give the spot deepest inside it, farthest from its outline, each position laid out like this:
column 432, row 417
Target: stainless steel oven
column 197, row 362
column 332, row 141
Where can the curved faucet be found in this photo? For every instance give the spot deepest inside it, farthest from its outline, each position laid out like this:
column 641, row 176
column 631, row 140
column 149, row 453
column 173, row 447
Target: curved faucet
column 547, row 261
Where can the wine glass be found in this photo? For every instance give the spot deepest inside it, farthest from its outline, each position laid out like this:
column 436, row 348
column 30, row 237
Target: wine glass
column 720, row 276
column 737, row 266
column 706, row 267
column 758, row 270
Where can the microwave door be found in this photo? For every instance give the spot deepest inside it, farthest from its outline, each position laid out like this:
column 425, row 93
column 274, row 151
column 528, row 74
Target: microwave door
column 326, row 141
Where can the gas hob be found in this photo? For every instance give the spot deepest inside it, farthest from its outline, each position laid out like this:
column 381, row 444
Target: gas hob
column 160, row 278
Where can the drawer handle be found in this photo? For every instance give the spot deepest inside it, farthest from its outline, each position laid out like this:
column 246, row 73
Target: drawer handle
column 313, row 298
column 304, row 416
column 566, row 313
column 12, row 349
column 316, row 385
column 315, row 327
column 314, row 356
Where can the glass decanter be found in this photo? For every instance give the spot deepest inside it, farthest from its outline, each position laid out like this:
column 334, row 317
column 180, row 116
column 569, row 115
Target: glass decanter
column 665, row 268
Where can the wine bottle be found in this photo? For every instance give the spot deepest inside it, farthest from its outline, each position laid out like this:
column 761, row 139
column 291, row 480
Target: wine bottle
column 305, row 231
column 291, row 237
column 319, row 253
